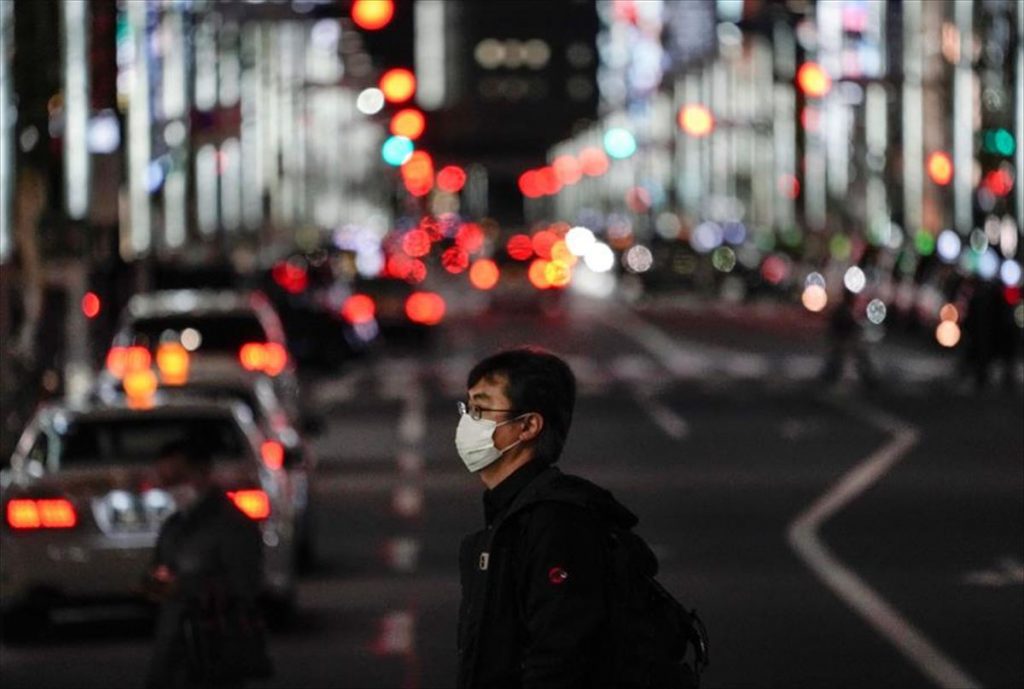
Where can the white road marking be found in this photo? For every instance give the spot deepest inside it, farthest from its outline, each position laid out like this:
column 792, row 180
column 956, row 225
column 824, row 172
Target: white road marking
column 1008, row 572
column 675, row 426
column 803, row 538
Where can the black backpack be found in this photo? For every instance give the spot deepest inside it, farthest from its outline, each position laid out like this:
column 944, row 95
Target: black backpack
column 655, row 642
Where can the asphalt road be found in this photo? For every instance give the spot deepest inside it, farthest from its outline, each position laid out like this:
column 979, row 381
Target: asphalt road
column 827, row 537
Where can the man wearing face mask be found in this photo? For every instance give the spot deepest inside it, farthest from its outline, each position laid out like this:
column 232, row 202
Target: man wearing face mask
column 207, row 564
column 534, row 609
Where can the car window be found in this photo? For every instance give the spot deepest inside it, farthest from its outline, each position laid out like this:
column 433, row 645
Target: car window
column 134, row 440
column 217, row 333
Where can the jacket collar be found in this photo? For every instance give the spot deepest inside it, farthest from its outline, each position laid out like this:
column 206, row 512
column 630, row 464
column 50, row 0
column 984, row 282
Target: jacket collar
column 498, row 499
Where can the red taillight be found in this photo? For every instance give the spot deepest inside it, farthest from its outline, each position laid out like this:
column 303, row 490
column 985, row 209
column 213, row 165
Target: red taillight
column 269, row 357
column 124, row 360
column 272, row 453
column 359, row 308
column 253, row 503
column 48, row 513
column 425, row 307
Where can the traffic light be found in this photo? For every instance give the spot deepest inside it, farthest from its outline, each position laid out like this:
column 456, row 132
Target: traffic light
column 398, row 85
column 940, row 168
column 372, row 15
column 696, row 120
column 999, row 141
column 813, row 80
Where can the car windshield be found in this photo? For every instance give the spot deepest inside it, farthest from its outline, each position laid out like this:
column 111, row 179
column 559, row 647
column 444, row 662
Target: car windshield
column 216, row 333
column 134, row 440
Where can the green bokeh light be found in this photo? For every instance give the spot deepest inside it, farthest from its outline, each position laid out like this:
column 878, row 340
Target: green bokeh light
column 925, row 243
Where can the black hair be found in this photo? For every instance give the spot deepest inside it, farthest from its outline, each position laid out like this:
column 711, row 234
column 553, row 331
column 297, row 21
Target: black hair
column 538, row 381
column 196, row 456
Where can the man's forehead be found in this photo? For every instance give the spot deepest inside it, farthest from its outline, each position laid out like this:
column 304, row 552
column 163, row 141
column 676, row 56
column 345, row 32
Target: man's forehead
column 489, row 387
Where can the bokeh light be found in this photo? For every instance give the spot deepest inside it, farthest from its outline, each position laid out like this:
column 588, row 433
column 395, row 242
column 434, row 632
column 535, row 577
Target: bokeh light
column 814, row 298
column 372, row 15
column 599, row 257
column 619, row 143
column 947, row 334
column 948, row 246
column 948, row 312
column 876, row 311
column 579, row 239
column 519, row 247
column 638, row 259
column 484, row 274
column 854, row 279
column 1010, row 273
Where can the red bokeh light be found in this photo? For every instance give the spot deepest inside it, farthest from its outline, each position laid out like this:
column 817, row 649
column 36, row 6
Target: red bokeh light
column 470, row 238
column 529, row 185
column 451, row 178
column 427, row 308
column 416, row 243
column 593, row 161
column 999, row 182
column 519, row 247
column 91, row 305
column 542, row 243
column 455, row 260
column 359, row 308
column 567, row 169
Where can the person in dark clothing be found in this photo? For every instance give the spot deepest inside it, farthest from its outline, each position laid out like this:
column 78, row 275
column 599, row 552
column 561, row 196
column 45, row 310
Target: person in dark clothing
column 846, row 340
column 534, row 610
column 207, row 563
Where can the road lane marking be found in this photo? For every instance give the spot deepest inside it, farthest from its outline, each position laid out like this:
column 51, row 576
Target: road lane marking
column 675, row 426
column 804, row 539
column 1009, row 571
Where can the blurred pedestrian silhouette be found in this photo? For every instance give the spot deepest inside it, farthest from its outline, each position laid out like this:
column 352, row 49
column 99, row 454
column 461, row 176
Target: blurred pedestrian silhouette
column 990, row 333
column 845, row 334
column 206, row 574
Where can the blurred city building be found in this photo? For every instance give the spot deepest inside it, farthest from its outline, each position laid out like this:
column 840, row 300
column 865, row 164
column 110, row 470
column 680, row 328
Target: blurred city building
column 734, row 147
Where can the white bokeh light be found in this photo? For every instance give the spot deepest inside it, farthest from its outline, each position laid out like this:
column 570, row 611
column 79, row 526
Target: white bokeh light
column 988, row 264
column 370, row 101
column 638, row 259
column 876, row 311
column 579, row 240
column 854, row 279
column 599, row 257
column 948, row 246
column 1010, row 273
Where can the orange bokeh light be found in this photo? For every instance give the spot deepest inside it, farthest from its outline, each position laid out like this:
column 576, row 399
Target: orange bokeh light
column 372, row 14
column 542, row 243
column 696, row 120
column 538, row 274
column 813, row 80
column 409, row 123
column 940, row 168
column 484, row 274
column 398, row 85
column 427, row 308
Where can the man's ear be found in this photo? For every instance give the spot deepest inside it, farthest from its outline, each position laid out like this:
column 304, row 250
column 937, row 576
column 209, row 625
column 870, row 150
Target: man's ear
column 533, row 424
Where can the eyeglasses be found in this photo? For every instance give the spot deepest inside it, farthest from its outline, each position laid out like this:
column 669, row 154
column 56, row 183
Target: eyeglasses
column 476, row 413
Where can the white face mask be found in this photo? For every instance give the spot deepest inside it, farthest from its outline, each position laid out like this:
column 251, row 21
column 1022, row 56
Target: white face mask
column 474, row 442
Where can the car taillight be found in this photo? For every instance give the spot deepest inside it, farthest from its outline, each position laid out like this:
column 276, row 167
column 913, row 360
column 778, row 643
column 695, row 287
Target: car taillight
column 426, row 308
column 46, row 513
column 253, row 503
column 359, row 308
column 269, row 357
column 272, row 453
column 123, row 360
column 172, row 359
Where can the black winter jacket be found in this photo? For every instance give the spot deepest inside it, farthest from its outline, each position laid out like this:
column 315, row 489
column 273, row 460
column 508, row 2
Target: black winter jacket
column 534, row 583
